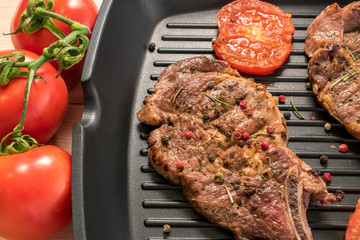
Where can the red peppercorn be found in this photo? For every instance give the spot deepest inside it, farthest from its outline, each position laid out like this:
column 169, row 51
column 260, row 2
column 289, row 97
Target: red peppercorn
column 326, row 177
column 245, row 136
column 237, row 135
column 282, row 98
column 312, row 118
column 243, row 105
column 343, row 148
column 180, row 164
column 270, row 129
column 249, row 111
column 188, row 134
column 265, row 145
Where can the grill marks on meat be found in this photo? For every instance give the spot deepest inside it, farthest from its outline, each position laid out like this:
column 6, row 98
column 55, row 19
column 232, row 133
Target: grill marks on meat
column 336, row 59
column 255, row 193
column 333, row 26
column 326, row 29
column 342, row 100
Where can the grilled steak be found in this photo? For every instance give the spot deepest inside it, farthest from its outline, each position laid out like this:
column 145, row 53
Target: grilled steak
column 251, row 185
column 334, row 66
column 327, row 28
column 334, row 26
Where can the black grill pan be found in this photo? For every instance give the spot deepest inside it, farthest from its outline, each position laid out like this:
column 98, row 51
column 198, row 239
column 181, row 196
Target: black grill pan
column 116, row 194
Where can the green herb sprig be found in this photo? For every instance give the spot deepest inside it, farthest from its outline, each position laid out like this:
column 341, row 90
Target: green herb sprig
column 210, row 138
column 293, row 105
column 343, row 78
column 174, row 99
column 218, row 100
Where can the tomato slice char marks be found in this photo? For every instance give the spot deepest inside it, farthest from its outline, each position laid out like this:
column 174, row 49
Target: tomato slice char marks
column 254, row 36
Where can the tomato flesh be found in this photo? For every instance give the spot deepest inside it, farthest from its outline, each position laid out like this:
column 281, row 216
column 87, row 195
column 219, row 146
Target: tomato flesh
column 254, row 36
column 353, row 228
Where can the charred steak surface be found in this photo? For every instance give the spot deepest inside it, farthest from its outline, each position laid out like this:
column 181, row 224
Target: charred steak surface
column 333, row 44
column 255, row 191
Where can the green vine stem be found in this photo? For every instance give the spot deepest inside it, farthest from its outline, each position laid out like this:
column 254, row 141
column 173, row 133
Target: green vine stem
column 31, row 22
column 68, row 51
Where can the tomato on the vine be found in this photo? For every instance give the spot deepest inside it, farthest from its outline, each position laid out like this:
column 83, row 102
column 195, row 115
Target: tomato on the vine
column 47, row 104
column 82, row 11
column 254, row 36
column 35, row 192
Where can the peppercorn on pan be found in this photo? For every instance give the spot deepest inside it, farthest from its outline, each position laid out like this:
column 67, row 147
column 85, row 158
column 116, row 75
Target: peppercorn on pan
column 116, row 194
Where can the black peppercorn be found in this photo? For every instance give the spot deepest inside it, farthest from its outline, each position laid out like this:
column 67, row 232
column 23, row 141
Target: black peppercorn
column 315, row 172
column 151, row 46
column 287, row 115
column 324, row 159
column 249, row 142
column 165, row 140
column 210, row 85
column 211, row 159
column 225, row 165
column 340, row 195
column 205, row 117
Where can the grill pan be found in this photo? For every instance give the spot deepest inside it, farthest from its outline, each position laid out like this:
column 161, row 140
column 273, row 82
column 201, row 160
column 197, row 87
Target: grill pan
column 116, row 194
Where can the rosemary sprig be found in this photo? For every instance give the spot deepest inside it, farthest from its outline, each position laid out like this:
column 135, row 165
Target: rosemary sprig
column 293, row 105
column 228, row 193
column 174, row 99
column 350, row 53
column 259, row 133
column 218, row 100
column 210, row 138
column 343, row 78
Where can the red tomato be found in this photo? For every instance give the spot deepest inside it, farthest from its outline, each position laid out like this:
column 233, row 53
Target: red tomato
column 254, row 36
column 46, row 107
column 35, row 192
column 353, row 228
column 82, row 11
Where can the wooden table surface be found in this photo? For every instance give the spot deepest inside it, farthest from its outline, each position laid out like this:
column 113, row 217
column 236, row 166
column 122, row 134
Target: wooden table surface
column 63, row 137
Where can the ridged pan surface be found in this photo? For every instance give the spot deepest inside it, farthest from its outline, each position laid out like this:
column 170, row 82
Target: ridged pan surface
column 117, row 195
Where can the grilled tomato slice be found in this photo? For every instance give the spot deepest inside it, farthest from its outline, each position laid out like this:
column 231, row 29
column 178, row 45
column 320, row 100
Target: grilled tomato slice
column 254, row 36
column 353, row 228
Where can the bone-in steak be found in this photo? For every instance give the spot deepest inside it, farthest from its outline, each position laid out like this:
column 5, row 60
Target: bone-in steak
column 253, row 186
column 334, row 67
